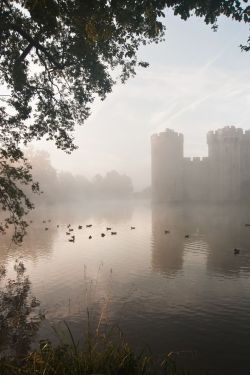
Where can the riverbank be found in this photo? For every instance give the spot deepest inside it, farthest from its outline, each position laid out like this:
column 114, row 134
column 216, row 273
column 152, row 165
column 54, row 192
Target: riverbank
column 101, row 354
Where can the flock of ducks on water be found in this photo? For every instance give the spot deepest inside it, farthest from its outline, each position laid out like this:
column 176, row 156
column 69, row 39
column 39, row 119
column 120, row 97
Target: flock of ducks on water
column 70, row 230
column 109, row 229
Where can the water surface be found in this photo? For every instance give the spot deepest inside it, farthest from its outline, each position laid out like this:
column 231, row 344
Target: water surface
column 164, row 290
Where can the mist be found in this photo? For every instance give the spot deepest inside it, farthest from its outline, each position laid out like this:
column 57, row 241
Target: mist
column 58, row 188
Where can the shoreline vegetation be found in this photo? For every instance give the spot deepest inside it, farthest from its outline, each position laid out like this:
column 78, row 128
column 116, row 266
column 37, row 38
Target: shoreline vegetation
column 101, row 355
column 104, row 352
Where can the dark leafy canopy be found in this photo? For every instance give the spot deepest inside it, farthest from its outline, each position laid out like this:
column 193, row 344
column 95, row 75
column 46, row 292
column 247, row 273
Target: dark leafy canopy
column 56, row 56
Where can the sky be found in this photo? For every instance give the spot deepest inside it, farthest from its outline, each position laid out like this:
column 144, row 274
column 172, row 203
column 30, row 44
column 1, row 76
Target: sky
column 197, row 80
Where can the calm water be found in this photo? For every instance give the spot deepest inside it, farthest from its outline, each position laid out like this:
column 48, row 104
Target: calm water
column 164, row 290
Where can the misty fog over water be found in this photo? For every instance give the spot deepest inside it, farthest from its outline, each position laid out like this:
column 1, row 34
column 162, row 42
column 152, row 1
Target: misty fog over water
column 184, row 290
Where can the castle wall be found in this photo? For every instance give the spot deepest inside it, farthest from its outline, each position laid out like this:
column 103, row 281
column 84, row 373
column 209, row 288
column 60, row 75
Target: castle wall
column 224, row 176
column 196, row 179
column 245, row 166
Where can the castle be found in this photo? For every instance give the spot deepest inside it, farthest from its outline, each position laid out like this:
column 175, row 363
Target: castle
column 223, row 176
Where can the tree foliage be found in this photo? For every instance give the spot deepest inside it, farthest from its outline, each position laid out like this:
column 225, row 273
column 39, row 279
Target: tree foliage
column 57, row 56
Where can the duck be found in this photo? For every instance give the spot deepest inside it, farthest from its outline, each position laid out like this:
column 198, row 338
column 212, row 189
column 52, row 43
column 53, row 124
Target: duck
column 108, row 228
column 103, row 235
column 132, row 228
column 72, row 239
column 236, row 251
column 247, row 225
column 71, row 229
column 88, row 225
column 90, row 237
column 57, row 226
column 186, row 235
column 79, row 226
column 67, row 233
column 46, row 228
column 113, row 233
column 167, row 231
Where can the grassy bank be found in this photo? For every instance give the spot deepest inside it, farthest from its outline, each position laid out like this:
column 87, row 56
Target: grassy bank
column 105, row 351
column 100, row 355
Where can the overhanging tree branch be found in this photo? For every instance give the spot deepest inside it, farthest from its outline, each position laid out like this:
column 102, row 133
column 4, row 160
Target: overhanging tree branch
column 34, row 43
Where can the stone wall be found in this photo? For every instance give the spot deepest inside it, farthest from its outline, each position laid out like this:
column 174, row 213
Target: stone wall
column 223, row 176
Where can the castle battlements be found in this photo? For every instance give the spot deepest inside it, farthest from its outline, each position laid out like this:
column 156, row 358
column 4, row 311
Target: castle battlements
column 225, row 134
column 222, row 176
column 167, row 134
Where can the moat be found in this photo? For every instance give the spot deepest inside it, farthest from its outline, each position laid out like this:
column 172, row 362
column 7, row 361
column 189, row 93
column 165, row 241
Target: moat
column 182, row 291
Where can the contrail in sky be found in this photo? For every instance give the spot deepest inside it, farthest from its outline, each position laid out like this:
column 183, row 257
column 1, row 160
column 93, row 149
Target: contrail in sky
column 198, row 101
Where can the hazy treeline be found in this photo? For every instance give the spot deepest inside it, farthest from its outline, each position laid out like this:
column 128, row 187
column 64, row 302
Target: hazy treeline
column 61, row 187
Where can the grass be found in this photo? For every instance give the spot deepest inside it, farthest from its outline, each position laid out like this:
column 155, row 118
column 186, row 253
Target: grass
column 108, row 354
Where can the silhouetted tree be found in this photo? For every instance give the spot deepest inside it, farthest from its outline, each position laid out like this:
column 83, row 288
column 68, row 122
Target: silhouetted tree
column 57, row 56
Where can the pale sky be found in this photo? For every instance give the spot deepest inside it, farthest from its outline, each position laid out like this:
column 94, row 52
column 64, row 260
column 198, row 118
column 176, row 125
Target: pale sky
column 197, row 80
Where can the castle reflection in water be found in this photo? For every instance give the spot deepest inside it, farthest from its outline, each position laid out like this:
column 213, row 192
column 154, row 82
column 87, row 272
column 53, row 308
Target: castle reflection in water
column 212, row 230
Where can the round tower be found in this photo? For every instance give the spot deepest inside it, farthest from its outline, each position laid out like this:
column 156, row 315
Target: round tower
column 167, row 166
column 224, row 152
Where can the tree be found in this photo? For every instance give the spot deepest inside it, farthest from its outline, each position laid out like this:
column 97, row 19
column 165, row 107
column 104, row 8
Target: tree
column 56, row 56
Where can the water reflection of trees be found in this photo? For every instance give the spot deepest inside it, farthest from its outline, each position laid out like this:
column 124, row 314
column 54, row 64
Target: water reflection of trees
column 109, row 211
column 37, row 242
column 221, row 227
column 19, row 316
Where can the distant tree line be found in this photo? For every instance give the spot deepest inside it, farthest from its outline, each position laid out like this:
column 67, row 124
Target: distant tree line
column 62, row 187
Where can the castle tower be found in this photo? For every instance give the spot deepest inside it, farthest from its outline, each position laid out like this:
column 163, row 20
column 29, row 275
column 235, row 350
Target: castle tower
column 167, row 166
column 224, row 153
column 245, row 166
